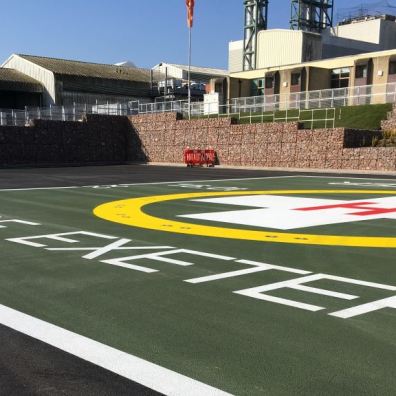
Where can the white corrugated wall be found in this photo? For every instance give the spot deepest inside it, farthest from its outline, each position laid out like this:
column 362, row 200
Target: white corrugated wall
column 45, row 77
column 235, row 56
column 278, row 48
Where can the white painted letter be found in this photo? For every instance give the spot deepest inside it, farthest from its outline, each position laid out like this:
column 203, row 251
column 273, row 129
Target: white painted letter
column 298, row 284
column 257, row 267
column 18, row 221
column 56, row 237
column 117, row 245
column 389, row 302
column 159, row 256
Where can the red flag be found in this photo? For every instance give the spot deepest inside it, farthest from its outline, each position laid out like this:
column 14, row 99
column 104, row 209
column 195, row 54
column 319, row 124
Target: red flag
column 190, row 12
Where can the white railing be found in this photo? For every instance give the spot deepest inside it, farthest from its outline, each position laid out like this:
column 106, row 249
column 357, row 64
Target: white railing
column 319, row 117
column 327, row 98
column 178, row 106
column 77, row 112
column 250, row 107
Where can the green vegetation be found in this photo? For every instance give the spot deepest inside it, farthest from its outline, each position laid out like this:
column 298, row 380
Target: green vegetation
column 362, row 117
column 388, row 139
column 358, row 117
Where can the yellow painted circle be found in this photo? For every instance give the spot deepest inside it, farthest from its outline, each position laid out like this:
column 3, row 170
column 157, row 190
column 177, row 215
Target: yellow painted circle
column 130, row 212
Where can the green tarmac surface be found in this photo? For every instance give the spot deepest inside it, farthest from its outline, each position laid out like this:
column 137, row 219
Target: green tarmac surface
column 236, row 343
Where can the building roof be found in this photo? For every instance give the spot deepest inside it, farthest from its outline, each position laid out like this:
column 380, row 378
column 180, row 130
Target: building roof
column 198, row 69
column 12, row 80
column 86, row 69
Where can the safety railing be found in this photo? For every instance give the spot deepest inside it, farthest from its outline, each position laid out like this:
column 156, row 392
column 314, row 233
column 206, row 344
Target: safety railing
column 179, row 106
column 311, row 118
column 327, row 98
column 77, row 112
column 241, row 108
column 317, row 117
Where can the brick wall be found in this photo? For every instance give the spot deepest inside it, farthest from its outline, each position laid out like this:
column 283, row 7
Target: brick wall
column 164, row 136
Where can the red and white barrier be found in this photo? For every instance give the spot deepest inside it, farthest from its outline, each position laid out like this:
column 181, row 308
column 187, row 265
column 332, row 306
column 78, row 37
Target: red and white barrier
column 198, row 157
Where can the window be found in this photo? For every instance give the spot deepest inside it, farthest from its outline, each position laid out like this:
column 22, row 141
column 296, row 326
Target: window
column 295, row 78
column 392, row 67
column 258, row 87
column 340, row 78
column 269, row 82
column 361, row 71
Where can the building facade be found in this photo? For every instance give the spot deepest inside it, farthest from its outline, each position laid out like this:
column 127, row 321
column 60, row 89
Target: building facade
column 175, row 79
column 374, row 68
column 18, row 90
column 357, row 52
column 281, row 47
column 65, row 82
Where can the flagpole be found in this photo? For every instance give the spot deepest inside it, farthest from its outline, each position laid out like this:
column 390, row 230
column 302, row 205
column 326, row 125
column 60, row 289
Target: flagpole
column 189, row 73
column 190, row 17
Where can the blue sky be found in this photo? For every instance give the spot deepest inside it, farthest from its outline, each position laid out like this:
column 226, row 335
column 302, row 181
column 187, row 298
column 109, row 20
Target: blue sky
column 145, row 32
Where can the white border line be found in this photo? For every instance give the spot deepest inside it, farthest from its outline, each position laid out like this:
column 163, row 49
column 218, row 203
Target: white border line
column 129, row 366
column 143, row 184
column 346, row 177
column 39, row 188
column 193, row 181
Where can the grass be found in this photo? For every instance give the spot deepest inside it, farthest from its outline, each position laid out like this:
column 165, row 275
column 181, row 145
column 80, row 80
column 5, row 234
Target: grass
column 362, row 117
column 357, row 117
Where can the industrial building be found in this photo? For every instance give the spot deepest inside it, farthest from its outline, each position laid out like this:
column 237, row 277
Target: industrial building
column 312, row 55
column 18, row 90
column 280, row 47
column 176, row 80
column 374, row 68
column 43, row 81
column 65, row 82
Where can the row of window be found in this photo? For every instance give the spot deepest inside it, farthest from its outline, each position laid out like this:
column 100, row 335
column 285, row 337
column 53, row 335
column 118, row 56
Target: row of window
column 339, row 77
column 269, row 82
column 361, row 71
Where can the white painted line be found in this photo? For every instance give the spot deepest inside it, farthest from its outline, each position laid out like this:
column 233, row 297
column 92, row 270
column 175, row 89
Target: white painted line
column 38, row 188
column 389, row 302
column 123, row 185
column 136, row 369
column 239, row 179
column 347, row 177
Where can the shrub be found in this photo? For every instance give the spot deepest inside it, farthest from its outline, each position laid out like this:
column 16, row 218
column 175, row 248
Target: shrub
column 388, row 139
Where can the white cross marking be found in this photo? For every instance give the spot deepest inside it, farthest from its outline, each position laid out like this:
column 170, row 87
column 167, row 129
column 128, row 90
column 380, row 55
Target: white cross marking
column 286, row 213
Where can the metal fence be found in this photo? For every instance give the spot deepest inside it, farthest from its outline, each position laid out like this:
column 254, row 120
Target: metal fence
column 179, row 106
column 327, row 98
column 320, row 99
column 242, row 108
column 310, row 118
column 76, row 112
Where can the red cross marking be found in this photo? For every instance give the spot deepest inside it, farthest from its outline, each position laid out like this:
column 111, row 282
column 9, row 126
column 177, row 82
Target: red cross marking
column 364, row 206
